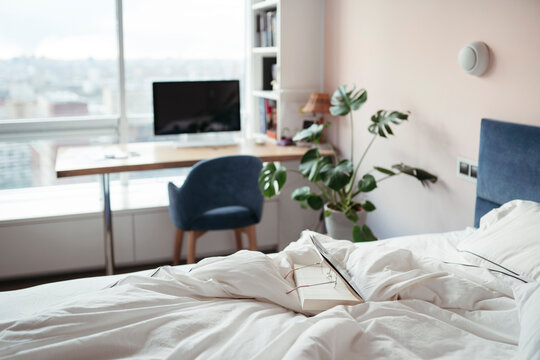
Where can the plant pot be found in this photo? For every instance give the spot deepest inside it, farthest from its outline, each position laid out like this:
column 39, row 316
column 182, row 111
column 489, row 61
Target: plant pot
column 338, row 226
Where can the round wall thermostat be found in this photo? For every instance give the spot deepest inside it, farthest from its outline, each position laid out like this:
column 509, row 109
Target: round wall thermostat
column 474, row 58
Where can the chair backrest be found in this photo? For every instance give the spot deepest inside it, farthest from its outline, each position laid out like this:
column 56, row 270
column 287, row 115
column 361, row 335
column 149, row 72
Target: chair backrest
column 218, row 182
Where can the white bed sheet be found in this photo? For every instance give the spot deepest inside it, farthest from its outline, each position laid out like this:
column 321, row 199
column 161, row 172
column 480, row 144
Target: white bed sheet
column 236, row 307
column 22, row 303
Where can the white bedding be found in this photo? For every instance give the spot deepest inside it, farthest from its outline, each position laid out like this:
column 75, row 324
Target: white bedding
column 236, row 307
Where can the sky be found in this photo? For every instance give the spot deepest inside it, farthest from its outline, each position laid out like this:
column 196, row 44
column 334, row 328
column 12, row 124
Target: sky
column 78, row 29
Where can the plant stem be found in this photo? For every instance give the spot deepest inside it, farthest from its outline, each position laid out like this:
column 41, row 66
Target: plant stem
column 387, row 177
column 352, row 138
column 365, row 152
column 358, row 166
column 324, row 192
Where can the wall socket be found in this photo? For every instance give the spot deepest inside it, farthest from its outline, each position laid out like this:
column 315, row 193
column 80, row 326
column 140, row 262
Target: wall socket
column 467, row 169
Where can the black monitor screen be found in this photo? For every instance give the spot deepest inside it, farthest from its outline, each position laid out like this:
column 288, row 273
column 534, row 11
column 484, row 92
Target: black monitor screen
column 196, row 106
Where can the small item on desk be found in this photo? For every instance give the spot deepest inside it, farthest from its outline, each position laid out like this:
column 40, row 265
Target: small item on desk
column 118, row 154
column 285, row 141
column 260, row 139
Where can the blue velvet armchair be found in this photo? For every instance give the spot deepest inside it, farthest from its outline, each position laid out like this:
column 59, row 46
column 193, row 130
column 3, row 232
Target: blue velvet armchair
column 218, row 194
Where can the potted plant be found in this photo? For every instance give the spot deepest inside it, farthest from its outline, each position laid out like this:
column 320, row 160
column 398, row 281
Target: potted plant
column 339, row 187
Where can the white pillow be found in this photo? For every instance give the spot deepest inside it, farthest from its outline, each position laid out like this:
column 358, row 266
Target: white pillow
column 528, row 300
column 509, row 236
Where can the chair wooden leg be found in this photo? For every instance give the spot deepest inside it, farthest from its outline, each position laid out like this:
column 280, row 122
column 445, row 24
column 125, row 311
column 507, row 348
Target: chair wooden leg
column 238, row 237
column 252, row 237
column 177, row 246
column 193, row 235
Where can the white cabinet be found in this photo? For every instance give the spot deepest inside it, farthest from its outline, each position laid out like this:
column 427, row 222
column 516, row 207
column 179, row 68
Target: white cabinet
column 41, row 247
column 286, row 62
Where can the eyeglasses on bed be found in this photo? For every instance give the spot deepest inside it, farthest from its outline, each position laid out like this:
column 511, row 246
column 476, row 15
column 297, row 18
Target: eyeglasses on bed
column 329, row 273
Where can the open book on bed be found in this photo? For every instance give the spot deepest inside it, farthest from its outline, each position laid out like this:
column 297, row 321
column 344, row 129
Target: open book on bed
column 326, row 284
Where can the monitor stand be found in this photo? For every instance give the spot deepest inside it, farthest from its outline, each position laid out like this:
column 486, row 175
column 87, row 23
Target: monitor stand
column 209, row 139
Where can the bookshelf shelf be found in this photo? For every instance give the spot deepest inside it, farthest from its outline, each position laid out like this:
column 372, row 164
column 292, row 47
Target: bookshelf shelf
column 265, row 50
column 286, row 62
column 266, row 94
column 263, row 5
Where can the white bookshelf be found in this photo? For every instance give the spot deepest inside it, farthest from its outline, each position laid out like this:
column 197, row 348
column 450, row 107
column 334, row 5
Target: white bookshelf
column 297, row 50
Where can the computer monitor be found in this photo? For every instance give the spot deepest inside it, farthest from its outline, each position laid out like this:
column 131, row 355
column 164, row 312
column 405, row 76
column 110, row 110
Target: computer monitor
column 188, row 107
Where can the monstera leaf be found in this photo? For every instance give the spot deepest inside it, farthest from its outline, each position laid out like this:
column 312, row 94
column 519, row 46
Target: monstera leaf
column 271, row 179
column 311, row 134
column 362, row 234
column 304, row 196
column 337, row 177
column 367, row 183
column 343, row 101
column 382, row 119
column 422, row 175
column 311, row 164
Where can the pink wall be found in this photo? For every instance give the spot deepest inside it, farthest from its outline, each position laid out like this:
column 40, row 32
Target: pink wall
column 405, row 54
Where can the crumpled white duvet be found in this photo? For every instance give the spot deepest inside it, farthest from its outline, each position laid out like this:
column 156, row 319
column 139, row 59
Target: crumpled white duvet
column 235, row 307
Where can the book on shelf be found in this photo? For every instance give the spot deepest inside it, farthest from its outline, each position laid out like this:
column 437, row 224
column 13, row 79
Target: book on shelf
column 270, row 26
column 258, row 30
column 268, row 74
column 271, row 134
column 262, row 31
column 266, row 28
column 326, row 284
column 268, row 117
column 262, row 116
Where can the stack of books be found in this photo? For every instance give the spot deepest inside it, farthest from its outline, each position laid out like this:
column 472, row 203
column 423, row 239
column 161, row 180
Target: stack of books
column 268, row 116
column 266, row 28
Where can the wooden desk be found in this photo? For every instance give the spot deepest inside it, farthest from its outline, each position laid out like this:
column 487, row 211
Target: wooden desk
column 96, row 160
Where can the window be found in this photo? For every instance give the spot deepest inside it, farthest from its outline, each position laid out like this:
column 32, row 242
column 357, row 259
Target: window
column 54, row 66
column 59, row 78
column 57, row 58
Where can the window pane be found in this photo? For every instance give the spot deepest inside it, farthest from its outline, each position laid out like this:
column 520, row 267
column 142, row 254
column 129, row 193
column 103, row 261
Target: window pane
column 168, row 40
column 57, row 58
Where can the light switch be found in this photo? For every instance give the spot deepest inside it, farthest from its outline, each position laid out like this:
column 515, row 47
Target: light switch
column 467, row 169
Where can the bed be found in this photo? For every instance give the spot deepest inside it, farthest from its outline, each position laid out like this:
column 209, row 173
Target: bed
column 470, row 293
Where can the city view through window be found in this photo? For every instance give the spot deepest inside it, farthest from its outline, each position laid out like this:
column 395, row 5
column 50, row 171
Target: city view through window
column 60, row 58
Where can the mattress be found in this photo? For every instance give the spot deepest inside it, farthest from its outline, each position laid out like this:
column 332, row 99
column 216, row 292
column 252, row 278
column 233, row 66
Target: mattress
column 422, row 302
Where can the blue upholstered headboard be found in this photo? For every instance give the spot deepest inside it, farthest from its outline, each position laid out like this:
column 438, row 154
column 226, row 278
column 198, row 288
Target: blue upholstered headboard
column 508, row 165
